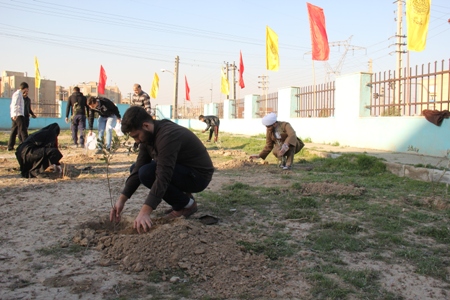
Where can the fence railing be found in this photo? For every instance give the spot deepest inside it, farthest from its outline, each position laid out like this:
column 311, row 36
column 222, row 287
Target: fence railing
column 267, row 104
column 189, row 112
column 316, row 101
column 238, row 106
column 47, row 108
column 409, row 92
column 220, row 109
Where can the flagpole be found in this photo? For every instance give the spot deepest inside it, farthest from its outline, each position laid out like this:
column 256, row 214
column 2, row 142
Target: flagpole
column 314, row 89
column 36, row 92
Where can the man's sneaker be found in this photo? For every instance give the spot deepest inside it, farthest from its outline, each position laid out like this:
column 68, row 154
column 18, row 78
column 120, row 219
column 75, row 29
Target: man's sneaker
column 208, row 141
column 185, row 212
column 169, row 210
column 287, row 167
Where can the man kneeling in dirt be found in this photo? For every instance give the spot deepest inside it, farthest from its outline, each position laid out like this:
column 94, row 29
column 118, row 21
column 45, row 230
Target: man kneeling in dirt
column 281, row 139
column 172, row 162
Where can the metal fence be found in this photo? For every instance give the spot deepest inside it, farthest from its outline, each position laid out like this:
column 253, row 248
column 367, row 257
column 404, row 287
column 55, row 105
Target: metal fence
column 238, row 109
column 411, row 91
column 47, row 108
column 267, row 104
column 220, row 109
column 316, row 101
column 189, row 112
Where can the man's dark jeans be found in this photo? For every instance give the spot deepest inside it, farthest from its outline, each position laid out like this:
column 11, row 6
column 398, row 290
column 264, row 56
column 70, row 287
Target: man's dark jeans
column 78, row 126
column 18, row 127
column 184, row 180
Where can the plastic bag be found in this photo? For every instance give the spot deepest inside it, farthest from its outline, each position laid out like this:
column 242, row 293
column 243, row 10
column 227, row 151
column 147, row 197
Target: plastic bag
column 118, row 129
column 91, row 142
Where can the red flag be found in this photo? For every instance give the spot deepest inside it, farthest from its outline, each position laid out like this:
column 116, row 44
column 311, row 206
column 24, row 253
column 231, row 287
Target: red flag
column 102, row 81
column 319, row 39
column 188, row 98
column 241, row 72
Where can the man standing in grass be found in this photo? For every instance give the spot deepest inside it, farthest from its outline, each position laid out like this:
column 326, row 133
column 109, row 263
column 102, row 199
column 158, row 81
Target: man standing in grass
column 172, row 162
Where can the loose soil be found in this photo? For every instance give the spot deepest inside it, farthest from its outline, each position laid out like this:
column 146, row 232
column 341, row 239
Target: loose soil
column 57, row 242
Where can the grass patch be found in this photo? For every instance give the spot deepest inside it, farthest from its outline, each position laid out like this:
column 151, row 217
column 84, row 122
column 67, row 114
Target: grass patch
column 328, row 240
column 303, row 203
column 273, row 247
column 348, row 228
column 304, row 216
column 360, row 163
column 326, row 288
column 440, row 234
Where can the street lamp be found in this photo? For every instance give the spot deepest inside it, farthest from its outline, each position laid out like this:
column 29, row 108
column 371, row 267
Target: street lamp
column 175, row 88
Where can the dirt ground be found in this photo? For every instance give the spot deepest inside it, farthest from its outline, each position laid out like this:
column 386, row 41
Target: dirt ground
column 45, row 223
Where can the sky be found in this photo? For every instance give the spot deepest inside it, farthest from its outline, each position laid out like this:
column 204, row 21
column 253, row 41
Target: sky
column 134, row 39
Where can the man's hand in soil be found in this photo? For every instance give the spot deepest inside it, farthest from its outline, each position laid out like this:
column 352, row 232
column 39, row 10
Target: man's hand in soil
column 116, row 211
column 143, row 219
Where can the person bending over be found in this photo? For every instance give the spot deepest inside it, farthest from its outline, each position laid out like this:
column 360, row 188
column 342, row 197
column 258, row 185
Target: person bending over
column 108, row 116
column 281, row 139
column 212, row 123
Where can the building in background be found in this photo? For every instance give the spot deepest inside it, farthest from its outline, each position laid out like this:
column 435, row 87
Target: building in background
column 91, row 89
column 43, row 101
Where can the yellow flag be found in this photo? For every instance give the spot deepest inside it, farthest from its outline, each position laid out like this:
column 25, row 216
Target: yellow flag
column 155, row 87
column 37, row 76
column 417, row 19
column 224, row 85
column 272, row 59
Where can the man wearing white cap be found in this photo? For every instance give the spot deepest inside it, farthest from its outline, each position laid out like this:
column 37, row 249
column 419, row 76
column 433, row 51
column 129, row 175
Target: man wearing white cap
column 281, row 140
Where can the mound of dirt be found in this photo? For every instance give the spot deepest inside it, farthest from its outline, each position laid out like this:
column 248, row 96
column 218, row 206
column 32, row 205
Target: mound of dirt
column 235, row 163
column 208, row 255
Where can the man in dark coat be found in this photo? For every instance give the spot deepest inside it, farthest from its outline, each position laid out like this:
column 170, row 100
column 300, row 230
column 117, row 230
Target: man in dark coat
column 108, row 116
column 40, row 151
column 77, row 103
column 212, row 123
column 172, row 162
column 27, row 110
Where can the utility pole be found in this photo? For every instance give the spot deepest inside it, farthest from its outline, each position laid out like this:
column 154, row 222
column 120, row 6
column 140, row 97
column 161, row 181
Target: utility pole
column 399, row 50
column 211, row 89
column 226, row 72
column 399, row 36
column 233, row 79
column 264, row 85
column 175, row 88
